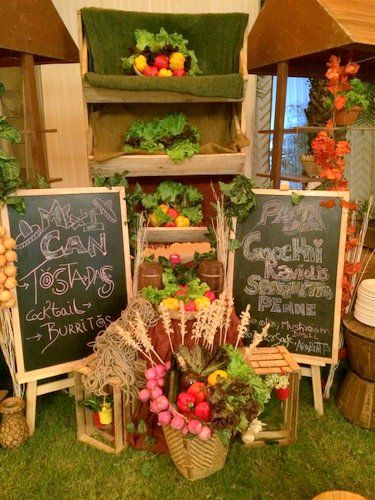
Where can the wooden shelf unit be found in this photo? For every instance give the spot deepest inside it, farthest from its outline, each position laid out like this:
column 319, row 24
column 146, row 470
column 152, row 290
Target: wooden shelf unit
column 162, row 165
column 177, row 234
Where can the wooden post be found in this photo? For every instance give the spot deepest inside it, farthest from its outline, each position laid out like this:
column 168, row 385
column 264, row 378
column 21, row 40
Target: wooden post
column 278, row 136
column 32, row 115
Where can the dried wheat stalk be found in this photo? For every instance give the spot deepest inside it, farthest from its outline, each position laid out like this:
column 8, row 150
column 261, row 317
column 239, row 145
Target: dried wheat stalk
column 228, row 315
column 167, row 323
column 215, row 317
column 244, row 325
column 182, row 322
column 258, row 337
column 140, row 333
column 140, row 247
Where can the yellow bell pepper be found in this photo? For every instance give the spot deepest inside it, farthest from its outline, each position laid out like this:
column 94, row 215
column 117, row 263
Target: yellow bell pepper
column 140, row 62
column 201, row 303
column 164, row 72
column 176, row 61
column 170, row 303
column 182, row 221
column 213, row 379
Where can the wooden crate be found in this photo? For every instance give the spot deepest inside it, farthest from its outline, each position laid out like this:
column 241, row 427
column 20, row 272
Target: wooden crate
column 111, row 439
column 267, row 360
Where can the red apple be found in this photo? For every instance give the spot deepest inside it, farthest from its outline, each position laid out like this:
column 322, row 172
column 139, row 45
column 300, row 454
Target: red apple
column 190, row 306
column 170, row 224
column 174, row 258
column 180, row 293
column 210, row 295
column 172, row 212
column 161, row 62
column 150, row 71
column 179, row 72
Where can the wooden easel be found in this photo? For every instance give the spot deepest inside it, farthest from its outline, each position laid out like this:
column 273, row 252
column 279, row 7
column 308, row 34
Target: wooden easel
column 313, row 371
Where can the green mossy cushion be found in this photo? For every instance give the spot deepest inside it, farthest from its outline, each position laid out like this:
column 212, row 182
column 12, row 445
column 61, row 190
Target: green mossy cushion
column 215, row 38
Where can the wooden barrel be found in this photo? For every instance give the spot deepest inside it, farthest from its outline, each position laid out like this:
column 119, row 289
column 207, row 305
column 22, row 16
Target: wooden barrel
column 356, row 400
column 150, row 273
column 212, row 273
column 360, row 342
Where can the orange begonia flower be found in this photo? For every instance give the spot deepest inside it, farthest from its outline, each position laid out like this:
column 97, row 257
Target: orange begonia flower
column 342, row 148
column 351, row 68
column 328, row 203
column 339, row 101
column 349, row 205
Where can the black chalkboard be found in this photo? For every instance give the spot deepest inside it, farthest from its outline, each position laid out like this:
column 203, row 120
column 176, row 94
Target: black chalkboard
column 288, row 268
column 71, row 247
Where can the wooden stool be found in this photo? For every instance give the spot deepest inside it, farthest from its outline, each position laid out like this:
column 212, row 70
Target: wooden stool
column 338, row 495
column 267, row 360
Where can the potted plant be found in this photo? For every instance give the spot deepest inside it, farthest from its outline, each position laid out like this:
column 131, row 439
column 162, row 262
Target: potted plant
column 280, row 384
column 348, row 95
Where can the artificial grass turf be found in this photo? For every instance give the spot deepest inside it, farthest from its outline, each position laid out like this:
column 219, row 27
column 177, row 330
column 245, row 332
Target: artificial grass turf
column 330, row 454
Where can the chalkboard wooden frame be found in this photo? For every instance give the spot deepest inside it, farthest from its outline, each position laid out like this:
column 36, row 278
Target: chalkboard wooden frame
column 24, row 376
column 339, row 195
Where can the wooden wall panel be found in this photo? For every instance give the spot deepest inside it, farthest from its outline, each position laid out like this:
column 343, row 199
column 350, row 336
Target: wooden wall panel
column 62, row 94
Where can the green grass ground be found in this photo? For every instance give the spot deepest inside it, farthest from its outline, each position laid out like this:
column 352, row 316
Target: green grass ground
column 330, row 454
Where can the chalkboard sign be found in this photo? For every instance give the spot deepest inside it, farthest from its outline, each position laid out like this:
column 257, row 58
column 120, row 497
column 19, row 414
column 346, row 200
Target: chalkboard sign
column 73, row 274
column 289, row 268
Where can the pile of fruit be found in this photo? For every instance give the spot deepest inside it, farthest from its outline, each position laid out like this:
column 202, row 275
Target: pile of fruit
column 8, row 270
column 180, row 284
column 161, row 55
column 174, row 204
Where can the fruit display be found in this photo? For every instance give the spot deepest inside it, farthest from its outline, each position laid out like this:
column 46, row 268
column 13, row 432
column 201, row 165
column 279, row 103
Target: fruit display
column 8, row 270
column 174, row 204
column 180, row 284
column 171, row 134
column 161, row 55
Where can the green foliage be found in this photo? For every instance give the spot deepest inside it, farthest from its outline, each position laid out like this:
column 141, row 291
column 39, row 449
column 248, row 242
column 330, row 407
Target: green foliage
column 357, row 95
column 183, row 197
column 8, row 132
column 133, row 199
column 239, row 197
column 159, row 42
column 170, row 133
column 296, row 198
column 42, row 182
column 238, row 368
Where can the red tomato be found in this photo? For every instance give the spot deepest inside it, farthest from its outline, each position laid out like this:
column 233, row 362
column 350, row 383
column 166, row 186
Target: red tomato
column 150, row 71
column 172, row 212
column 179, row 72
column 170, row 224
column 161, row 62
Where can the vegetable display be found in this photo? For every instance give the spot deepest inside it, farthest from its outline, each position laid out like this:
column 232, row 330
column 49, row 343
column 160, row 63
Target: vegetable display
column 161, row 54
column 174, row 204
column 223, row 401
column 180, row 284
column 171, row 134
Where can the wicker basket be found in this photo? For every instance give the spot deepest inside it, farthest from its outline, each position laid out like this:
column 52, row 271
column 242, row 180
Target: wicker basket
column 137, row 72
column 195, row 459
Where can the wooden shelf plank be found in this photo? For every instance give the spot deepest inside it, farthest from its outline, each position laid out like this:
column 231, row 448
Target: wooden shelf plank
column 105, row 96
column 176, row 234
column 307, row 128
column 293, row 178
column 162, row 165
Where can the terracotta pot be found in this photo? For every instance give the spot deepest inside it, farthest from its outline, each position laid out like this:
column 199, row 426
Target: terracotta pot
column 310, row 168
column 347, row 116
column 282, row 394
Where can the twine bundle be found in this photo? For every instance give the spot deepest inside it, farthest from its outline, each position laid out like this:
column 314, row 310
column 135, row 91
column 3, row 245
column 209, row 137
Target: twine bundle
column 116, row 352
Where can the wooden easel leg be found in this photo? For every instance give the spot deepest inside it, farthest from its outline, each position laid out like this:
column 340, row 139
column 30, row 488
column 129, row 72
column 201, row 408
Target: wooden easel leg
column 31, row 405
column 317, row 389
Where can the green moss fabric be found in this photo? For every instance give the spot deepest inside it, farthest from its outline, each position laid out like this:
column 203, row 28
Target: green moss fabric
column 227, row 86
column 215, row 38
column 215, row 122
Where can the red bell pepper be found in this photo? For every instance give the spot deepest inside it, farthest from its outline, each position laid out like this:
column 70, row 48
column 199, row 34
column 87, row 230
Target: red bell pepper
column 199, row 391
column 186, row 403
column 203, row 411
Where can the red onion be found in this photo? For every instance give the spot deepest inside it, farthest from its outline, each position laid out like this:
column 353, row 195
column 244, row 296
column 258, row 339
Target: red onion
column 144, row 395
column 155, row 393
column 164, row 418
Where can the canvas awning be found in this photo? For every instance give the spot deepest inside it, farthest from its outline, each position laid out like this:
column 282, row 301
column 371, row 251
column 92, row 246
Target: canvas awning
column 34, row 27
column 306, row 32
